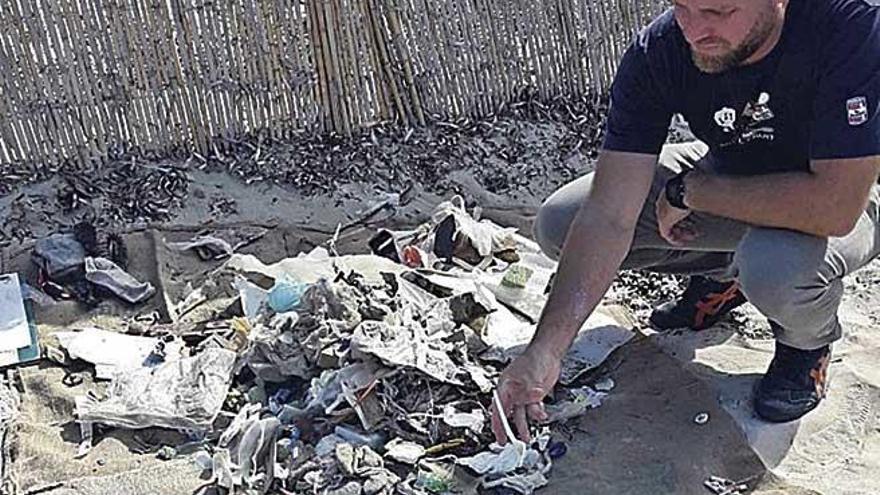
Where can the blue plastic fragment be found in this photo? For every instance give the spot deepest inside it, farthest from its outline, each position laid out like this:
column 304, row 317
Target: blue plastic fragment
column 556, row 449
column 281, row 397
column 285, row 295
column 295, row 434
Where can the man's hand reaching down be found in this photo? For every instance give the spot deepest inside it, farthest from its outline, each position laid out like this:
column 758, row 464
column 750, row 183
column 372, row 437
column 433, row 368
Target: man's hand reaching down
column 522, row 387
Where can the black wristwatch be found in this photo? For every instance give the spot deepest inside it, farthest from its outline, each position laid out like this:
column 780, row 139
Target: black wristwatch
column 675, row 190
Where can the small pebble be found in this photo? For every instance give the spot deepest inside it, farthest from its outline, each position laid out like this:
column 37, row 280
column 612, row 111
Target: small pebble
column 101, row 462
column 166, row 453
column 701, row 418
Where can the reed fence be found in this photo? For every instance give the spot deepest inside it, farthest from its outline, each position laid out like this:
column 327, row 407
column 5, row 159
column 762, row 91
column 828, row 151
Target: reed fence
column 83, row 79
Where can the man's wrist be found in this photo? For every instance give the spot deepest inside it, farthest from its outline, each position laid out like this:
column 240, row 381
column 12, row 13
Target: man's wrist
column 553, row 346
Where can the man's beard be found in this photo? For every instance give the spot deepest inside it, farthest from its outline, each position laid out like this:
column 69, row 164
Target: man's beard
column 760, row 32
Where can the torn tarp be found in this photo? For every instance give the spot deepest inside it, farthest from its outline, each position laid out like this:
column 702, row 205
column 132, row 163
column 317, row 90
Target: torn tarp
column 183, row 394
column 406, row 345
column 112, row 352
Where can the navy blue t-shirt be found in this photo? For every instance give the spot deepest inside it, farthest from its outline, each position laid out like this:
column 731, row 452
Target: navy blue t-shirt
column 816, row 95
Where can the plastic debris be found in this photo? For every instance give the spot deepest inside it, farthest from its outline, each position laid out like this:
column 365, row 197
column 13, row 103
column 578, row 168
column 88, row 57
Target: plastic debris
column 112, row 352
column 186, row 393
column 349, row 435
column 701, row 418
column 582, row 400
column 107, row 274
column 556, row 449
column 408, row 345
column 330, row 361
column 285, row 295
column 604, row 385
column 207, row 247
column 473, row 420
column 724, row 486
column 15, row 328
column 403, row 451
column 251, row 443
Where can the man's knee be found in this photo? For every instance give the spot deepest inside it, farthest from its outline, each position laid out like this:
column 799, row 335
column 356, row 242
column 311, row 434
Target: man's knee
column 556, row 214
column 780, row 271
column 551, row 227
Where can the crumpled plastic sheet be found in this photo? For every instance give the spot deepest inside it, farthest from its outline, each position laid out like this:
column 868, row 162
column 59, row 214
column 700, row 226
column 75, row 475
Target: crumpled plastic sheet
column 273, row 354
column 107, row 274
column 218, row 248
column 516, row 465
column 9, row 405
column 248, row 450
column 528, row 300
column 183, row 394
column 112, row 352
column 404, row 452
column 314, row 266
column 599, row 337
column 583, row 399
column 485, row 236
column 335, row 387
column 474, row 420
column 406, row 345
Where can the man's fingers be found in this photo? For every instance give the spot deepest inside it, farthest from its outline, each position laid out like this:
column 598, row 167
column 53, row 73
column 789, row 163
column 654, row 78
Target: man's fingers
column 535, row 394
column 536, row 412
column 498, row 426
column 522, row 424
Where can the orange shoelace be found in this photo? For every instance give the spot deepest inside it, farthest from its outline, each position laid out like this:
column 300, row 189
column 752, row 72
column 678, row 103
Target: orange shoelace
column 820, row 374
column 712, row 303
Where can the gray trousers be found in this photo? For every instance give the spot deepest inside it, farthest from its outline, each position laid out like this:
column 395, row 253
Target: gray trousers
column 794, row 279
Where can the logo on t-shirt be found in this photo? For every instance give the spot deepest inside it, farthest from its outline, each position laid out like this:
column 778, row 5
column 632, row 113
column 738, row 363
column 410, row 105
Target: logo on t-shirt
column 726, row 118
column 857, row 110
column 751, row 125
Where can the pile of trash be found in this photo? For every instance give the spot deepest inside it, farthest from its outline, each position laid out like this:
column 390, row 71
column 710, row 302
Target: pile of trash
column 359, row 374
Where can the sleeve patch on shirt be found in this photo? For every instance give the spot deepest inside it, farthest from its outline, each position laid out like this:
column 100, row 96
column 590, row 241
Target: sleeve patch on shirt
column 857, row 110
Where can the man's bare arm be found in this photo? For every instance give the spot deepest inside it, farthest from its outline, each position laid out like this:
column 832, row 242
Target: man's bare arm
column 825, row 203
column 598, row 240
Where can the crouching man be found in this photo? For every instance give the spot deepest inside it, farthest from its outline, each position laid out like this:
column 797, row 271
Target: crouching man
column 774, row 204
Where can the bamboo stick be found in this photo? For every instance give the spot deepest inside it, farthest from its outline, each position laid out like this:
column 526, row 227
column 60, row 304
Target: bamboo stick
column 338, row 89
column 322, row 89
column 385, row 62
column 80, row 109
column 111, row 75
column 256, row 59
column 11, row 98
column 54, row 85
column 303, row 100
column 84, row 40
column 457, row 69
column 381, row 93
column 158, row 135
column 38, row 128
column 278, row 95
column 397, row 35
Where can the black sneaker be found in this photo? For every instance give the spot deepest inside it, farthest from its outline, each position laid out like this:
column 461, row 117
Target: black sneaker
column 794, row 384
column 703, row 303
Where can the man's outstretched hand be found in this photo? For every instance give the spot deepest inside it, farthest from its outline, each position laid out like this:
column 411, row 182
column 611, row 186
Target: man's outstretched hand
column 522, row 386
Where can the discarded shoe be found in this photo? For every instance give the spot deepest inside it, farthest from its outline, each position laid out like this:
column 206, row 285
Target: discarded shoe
column 701, row 305
column 794, row 384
